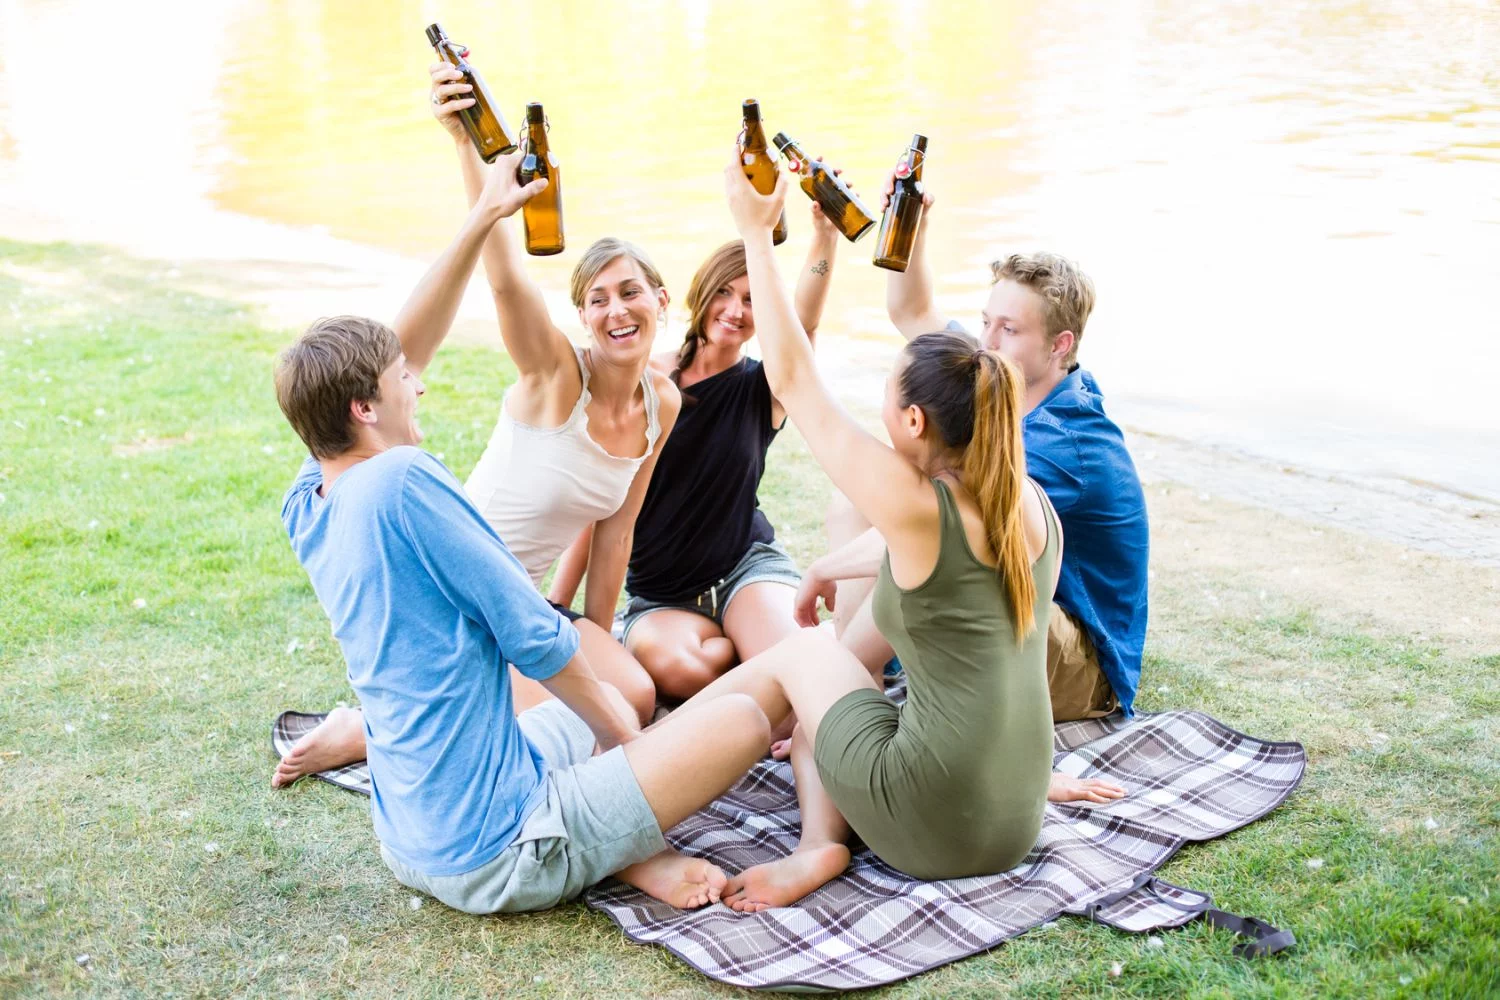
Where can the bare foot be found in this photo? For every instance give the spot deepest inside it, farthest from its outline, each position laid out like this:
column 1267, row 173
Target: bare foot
column 786, row 880
column 676, row 879
column 1066, row 788
column 338, row 740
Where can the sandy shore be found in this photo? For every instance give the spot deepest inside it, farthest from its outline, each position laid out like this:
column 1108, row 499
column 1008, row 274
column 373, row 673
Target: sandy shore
column 292, row 276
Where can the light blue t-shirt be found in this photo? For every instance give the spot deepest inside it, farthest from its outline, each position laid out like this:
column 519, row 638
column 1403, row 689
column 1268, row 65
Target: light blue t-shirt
column 429, row 606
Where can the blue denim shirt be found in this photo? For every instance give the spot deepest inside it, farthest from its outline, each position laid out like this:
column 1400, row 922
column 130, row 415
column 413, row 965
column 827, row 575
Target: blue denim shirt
column 1077, row 455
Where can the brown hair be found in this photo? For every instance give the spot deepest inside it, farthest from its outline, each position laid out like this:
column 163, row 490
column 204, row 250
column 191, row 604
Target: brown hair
column 604, row 253
column 335, row 363
column 973, row 398
column 1067, row 293
column 724, row 265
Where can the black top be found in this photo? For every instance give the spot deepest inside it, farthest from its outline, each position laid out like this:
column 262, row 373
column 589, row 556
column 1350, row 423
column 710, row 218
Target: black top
column 701, row 514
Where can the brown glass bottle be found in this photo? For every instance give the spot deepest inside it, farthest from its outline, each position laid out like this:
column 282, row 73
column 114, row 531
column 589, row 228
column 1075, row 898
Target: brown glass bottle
column 898, row 227
column 482, row 120
column 760, row 165
column 838, row 201
column 542, row 216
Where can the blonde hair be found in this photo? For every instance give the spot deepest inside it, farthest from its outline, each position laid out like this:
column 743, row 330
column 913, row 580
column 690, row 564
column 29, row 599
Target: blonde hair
column 1067, row 293
column 974, row 400
column 336, row 362
column 604, row 253
column 722, row 266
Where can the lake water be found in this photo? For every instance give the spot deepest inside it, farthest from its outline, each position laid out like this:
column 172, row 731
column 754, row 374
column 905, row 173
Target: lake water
column 1291, row 211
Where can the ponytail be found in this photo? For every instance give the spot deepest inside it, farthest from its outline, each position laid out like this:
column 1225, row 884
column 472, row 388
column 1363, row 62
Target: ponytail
column 973, row 399
column 994, row 471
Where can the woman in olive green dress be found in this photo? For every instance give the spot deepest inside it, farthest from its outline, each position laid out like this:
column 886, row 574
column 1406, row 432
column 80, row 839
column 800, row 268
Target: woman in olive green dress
column 953, row 783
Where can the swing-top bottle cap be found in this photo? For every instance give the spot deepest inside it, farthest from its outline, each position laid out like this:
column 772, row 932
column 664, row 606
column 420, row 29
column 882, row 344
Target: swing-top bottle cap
column 435, row 33
column 534, row 113
column 752, row 110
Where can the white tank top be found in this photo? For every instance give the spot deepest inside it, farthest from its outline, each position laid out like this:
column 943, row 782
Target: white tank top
column 538, row 487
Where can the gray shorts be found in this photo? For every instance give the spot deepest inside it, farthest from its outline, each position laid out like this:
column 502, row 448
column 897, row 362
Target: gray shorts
column 594, row 821
column 762, row 562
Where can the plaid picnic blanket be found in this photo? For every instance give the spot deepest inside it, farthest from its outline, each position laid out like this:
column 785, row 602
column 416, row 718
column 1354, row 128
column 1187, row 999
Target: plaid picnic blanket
column 1190, row 778
column 289, row 727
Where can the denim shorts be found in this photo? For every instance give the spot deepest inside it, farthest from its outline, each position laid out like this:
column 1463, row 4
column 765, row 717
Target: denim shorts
column 595, row 820
column 762, row 562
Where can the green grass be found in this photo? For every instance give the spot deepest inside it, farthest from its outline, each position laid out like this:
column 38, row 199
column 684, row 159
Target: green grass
column 143, row 460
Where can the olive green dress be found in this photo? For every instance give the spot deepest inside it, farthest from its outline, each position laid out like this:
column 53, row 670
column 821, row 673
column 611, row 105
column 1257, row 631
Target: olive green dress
column 953, row 783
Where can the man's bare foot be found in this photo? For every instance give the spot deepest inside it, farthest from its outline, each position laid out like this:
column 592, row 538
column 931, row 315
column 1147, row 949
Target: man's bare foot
column 676, row 879
column 785, row 880
column 338, row 740
column 1066, row 788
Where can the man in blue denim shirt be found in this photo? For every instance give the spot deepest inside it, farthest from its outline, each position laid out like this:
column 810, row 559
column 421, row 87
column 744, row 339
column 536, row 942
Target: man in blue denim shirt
column 1035, row 316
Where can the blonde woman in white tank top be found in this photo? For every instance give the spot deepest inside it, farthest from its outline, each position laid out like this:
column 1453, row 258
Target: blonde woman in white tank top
column 578, row 434
column 580, row 430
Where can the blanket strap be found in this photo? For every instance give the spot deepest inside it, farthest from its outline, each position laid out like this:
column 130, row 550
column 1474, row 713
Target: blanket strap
column 1264, row 939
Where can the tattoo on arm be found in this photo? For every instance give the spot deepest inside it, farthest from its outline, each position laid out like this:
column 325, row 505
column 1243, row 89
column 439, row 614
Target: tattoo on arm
column 821, row 267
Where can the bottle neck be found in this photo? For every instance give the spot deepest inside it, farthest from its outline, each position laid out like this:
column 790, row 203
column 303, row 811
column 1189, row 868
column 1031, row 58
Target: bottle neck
column 755, row 136
column 915, row 158
column 536, row 136
column 792, row 151
column 450, row 52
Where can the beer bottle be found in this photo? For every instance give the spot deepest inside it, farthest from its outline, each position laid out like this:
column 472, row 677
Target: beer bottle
column 839, row 202
column 898, row 227
column 482, row 120
column 542, row 215
column 760, row 165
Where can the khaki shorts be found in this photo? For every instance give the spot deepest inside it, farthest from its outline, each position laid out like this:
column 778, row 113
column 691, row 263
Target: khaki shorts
column 1079, row 688
column 594, row 821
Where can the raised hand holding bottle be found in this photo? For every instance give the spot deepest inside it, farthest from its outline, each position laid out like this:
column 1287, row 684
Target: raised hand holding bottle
column 760, row 165
column 542, row 216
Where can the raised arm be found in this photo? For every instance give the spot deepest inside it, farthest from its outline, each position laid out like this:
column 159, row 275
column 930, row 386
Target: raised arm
column 910, row 300
column 816, row 276
column 813, row 283
column 539, row 349
column 428, row 313
column 609, row 553
column 892, row 493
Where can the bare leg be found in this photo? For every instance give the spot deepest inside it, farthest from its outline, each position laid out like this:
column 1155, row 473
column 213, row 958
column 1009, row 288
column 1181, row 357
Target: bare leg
column 721, row 740
column 613, row 665
column 759, row 617
column 821, row 852
column 681, row 650
column 863, row 639
column 337, row 740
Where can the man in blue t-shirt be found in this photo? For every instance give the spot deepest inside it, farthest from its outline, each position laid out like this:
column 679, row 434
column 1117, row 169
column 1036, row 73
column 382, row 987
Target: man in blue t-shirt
column 479, row 808
column 1035, row 315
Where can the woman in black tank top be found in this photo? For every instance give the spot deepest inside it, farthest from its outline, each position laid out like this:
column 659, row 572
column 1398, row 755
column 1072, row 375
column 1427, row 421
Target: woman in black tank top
column 708, row 586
